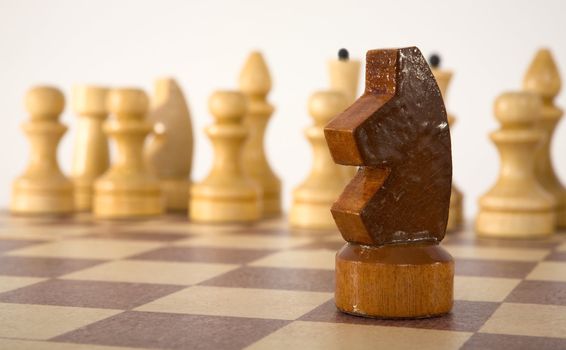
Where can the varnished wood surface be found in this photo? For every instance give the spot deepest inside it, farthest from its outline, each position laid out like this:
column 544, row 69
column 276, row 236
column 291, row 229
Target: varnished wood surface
column 398, row 133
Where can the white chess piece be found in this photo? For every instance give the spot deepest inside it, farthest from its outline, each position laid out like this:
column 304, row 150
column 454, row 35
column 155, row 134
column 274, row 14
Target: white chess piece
column 43, row 189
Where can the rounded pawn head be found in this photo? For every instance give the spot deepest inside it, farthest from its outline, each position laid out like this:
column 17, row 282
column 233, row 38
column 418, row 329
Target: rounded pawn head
column 325, row 105
column 227, row 106
column 44, row 103
column 543, row 77
column 518, row 108
column 90, row 100
column 128, row 103
column 254, row 77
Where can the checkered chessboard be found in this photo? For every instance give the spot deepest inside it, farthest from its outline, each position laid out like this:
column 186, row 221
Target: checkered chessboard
column 80, row 284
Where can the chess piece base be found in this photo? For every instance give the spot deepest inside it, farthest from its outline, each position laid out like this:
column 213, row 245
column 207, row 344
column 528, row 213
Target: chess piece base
column 30, row 199
column 561, row 218
column 515, row 224
column 176, row 194
column 219, row 211
column 315, row 216
column 455, row 215
column 82, row 196
column 394, row 281
column 271, row 205
column 127, row 203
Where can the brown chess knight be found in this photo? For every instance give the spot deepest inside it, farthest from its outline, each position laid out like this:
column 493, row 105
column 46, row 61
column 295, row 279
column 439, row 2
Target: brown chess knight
column 393, row 214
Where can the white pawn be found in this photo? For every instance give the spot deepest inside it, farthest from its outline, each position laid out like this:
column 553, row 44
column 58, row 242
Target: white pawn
column 127, row 189
column 517, row 206
column 226, row 194
column 43, row 189
column 91, row 154
column 313, row 198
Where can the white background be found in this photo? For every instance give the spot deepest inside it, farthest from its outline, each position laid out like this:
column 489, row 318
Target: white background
column 488, row 45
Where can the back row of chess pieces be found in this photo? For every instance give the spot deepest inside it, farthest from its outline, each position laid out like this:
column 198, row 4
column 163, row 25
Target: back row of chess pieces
column 148, row 178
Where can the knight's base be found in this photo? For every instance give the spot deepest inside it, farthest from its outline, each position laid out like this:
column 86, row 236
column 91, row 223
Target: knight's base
column 394, row 281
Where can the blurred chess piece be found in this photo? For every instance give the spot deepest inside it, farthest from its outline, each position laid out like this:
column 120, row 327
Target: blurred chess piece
column 443, row 78
column 313, row 198
column 227, row 194
column 127, row 189
column 91, row 154
column 344, row 75
column 543, row 78
column 43, row 189
column 169, row 152
column 517, row 206
column 255, row 84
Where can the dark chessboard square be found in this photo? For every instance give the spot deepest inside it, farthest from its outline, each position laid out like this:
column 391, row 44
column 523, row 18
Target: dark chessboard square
column 276, row 278
column 466, row 316
column 262, row 231
column 539, row 292
column 173, row 331
column 42, row 267
column 483, row 268
column 135, row 236
column 203, row 254
column 472, row 240
column 9, row 244
column 485, row 341
column 556, row 256
column 94, row 294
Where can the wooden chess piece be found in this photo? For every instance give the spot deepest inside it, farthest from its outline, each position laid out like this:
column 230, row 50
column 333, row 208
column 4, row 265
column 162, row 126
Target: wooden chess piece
column 227, row 194
column 455, row 214
column 255, row 83
column 543, row 78
column 344, row 75
column 43, row 189
column 169, row 153
column 393, row 213
column 127, row 189
column 91, row 154
column 517, row 206
column 314, row 197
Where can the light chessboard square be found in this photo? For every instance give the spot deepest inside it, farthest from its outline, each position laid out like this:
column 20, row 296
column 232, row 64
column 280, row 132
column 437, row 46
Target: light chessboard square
column 471, row 288
column 239, row 302
column 337, row 336
column 549, row 271
column 19, row 344
column 303, row 259
column 8, row 283
column 528, row 319
column 44, row 321
column 136, row 271
column 87, row 249
column 246, row 241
